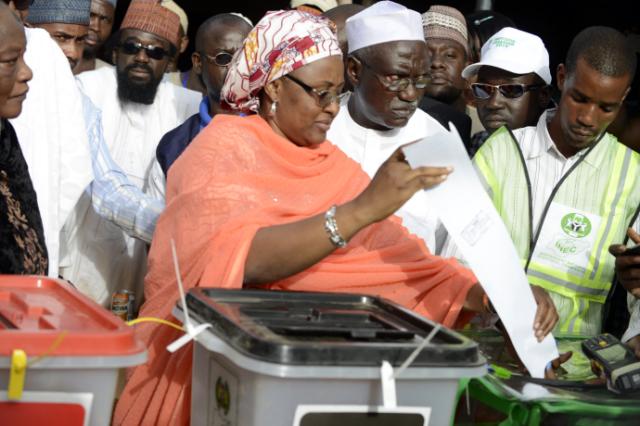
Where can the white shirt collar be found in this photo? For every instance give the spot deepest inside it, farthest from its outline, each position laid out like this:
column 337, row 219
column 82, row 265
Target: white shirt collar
column 546, row 143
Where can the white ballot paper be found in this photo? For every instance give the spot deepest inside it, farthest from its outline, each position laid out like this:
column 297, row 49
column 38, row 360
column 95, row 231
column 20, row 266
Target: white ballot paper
column 473, row 223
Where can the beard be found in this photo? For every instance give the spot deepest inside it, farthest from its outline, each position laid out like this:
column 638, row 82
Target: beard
column 132, row 91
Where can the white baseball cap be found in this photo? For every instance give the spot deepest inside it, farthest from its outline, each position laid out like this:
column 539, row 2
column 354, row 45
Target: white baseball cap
column 383, row 22
column 515, row 51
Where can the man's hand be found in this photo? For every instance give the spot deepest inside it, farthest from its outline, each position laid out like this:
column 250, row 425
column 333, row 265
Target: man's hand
column 627, row 267
column 634, row 344
column 546, row 314
column 550, row 373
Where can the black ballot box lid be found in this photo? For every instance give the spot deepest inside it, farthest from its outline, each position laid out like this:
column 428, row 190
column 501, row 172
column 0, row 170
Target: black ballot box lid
column 326, row 329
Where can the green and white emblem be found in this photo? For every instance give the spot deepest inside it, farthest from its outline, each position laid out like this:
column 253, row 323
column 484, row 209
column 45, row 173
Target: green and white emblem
column 576, row 225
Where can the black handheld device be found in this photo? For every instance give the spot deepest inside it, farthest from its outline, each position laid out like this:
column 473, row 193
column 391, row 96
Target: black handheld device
column 616, row 360
column 632, row 251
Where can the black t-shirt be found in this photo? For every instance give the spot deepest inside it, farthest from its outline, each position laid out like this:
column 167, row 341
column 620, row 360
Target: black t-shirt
column 444, row 114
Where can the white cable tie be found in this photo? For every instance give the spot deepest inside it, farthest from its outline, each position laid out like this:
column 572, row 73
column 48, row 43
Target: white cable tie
column 388, row 385
column 415, row 353
column 183, row 300
column 192, row 334
column 191, row 331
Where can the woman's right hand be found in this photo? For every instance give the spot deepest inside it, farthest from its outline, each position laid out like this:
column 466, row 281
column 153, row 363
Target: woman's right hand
column 394, row 184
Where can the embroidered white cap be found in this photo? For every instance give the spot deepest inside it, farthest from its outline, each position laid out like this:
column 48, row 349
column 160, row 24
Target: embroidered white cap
column 383, row 22
column 515, row 51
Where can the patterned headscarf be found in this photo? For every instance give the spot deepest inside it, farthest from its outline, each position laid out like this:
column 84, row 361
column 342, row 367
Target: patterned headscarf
column 280, row 43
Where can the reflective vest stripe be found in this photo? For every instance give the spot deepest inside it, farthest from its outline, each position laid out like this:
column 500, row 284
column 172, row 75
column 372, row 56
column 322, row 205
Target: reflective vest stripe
column 574, row 322
column 543, row 276
column 615, row 192
column 488, row 180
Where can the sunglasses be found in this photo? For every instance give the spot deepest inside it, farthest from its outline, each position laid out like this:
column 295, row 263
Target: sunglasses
column 483, row 91
column 222, row 59
column 324, row 98
column 133, row 47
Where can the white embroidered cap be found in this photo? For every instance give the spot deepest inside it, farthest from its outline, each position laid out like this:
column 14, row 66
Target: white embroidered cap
column 515, row 51
column 383, row 22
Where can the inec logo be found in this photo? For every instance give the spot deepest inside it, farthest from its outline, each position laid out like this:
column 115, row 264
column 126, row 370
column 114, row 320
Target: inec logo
column 576, row 225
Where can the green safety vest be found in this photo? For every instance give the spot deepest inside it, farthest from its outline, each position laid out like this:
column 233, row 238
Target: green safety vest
column 610, row 191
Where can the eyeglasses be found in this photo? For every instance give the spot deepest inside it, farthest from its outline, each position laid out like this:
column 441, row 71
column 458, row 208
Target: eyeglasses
column 483, row 91
column 398, row 84
column 222, row 59
column 153, row 52
column 324, row 98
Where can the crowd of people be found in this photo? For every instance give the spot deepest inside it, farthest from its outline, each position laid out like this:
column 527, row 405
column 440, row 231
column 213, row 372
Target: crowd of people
column 276, row 162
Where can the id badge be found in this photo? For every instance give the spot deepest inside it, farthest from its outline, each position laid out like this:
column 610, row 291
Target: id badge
column 566, row 239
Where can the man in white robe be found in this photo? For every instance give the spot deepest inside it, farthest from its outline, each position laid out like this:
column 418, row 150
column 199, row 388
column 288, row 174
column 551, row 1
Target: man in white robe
column 387, row 67
column 52, row 137
column 138, row 108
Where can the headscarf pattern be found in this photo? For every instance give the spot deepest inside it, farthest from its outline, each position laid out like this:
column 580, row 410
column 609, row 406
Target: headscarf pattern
column 280, row 43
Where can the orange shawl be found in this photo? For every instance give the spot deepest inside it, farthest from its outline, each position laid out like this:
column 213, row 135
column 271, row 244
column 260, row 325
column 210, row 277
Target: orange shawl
column 236, row 177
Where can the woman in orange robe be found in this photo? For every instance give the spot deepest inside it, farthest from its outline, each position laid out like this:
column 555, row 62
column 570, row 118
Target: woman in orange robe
column 247, row 205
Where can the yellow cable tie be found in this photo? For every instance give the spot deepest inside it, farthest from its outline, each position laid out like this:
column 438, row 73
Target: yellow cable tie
column 156, row 320
column 17, row 374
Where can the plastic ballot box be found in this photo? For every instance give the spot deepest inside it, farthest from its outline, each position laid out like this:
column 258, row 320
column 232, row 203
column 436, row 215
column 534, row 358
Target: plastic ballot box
column 60, row 354
column 307, row 359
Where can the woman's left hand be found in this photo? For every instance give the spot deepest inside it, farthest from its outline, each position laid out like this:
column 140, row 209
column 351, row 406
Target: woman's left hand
column 546, row 314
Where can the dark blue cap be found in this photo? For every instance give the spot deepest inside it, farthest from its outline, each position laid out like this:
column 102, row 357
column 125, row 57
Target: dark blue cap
column 60, row 11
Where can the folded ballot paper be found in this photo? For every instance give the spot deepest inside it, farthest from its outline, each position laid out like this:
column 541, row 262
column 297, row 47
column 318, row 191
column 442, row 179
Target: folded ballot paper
column 474, row 225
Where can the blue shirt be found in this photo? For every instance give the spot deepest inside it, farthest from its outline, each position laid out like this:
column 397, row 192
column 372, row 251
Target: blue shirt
column 205, row 118
column 177, row 140
column 113, row 196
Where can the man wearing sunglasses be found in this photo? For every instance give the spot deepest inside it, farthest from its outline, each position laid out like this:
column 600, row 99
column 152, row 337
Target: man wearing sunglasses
column 137, row 109
column 217, row 39
column 388, row 69
column 61, row 136
column 512, row 85
column 565, row 188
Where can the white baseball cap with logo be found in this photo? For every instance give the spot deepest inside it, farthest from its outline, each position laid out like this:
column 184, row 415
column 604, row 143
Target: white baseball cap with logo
column 515, row 51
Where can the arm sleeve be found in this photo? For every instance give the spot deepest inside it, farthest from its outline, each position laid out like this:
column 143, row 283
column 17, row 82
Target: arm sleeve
column 113, row 196
column 156, row 183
